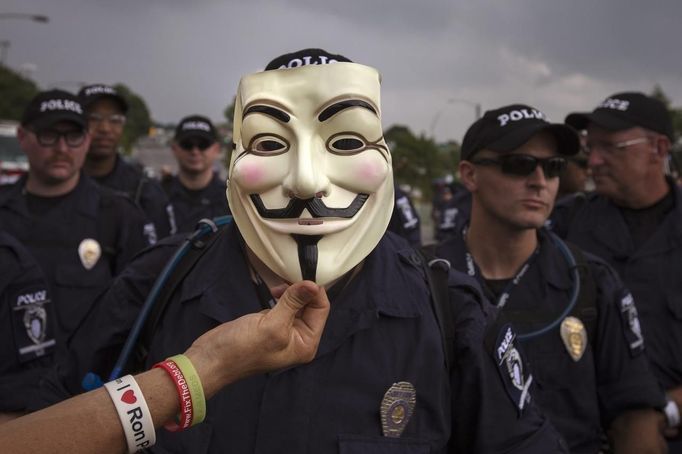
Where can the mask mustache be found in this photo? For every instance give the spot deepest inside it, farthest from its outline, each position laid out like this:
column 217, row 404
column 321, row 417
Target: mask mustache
column 314, row 205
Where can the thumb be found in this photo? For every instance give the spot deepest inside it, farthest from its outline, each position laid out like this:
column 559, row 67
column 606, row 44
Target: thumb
column 295, row 298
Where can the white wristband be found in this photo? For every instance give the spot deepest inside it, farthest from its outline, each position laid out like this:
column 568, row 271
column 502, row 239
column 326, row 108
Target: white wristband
column 133, row 412
column 672, row 413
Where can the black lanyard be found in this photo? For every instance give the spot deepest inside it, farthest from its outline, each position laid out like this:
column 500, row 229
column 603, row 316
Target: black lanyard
column 474, row 271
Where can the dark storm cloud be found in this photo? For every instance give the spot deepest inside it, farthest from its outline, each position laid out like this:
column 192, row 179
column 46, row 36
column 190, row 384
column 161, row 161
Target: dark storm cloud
column 438, row 58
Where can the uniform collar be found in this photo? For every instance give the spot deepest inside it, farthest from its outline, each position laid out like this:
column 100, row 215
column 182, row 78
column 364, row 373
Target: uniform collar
column 86, row 193
column 605, row 223
column 551, row 263
column 384, row 287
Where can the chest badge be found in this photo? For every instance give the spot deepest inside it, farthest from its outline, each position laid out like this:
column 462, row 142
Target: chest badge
column 574, row 336
column 89, row 252
column 397, row 407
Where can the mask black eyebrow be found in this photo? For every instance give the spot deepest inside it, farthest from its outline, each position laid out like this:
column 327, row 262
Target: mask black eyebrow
column 268, row 110
column 339, row 106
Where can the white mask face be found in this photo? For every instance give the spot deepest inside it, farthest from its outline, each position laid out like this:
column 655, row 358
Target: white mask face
column 310, row 186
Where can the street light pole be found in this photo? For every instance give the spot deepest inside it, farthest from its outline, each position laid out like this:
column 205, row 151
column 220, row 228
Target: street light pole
column 4, row 45
column 34, row 17
column 434, row 121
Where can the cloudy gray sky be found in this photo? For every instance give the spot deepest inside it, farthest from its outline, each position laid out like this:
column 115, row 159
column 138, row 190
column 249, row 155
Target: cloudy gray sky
column 438, row 57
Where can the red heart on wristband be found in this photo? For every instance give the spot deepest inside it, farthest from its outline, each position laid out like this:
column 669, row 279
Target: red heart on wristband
column 129, row 397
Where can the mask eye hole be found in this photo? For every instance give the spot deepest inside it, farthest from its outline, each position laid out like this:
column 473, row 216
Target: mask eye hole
column 346, row 144
column 268, row 145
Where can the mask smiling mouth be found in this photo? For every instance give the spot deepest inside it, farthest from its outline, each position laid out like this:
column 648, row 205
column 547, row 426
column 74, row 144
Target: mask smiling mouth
column 310, row 221
column 314, row 205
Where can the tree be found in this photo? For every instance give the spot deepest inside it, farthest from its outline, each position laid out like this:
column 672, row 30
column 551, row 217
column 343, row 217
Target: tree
column 675, row 112
column 15, row 93
column 229, row 113
column 138, row 120
column 418, row 160
column 676, row 115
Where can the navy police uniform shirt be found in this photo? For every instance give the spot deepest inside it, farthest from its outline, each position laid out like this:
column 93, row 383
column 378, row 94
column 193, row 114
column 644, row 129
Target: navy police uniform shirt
column 405, row 220
column 612, row 376
column 81, row 242
column 26, row 325
column 146, row 193
column 652, row 272
column 381, row 330
column 453, row 214
column 190, row 206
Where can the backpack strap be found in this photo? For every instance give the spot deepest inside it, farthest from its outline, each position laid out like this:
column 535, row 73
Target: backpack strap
column 107, row 230
column 586, row 306
column 436, row 271
column 197, row 249
column 137, row 195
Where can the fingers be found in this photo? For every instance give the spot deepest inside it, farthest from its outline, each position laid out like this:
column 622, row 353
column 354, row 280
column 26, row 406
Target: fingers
column 315, row 314
column 306, row 299
column 296, row 297
column 278, row 291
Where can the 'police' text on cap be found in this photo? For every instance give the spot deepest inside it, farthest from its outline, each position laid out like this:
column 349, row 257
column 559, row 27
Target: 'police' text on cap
column 507, row 128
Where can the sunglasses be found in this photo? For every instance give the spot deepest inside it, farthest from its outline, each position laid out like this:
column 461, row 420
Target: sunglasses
column 523, row 165
column 200, row 143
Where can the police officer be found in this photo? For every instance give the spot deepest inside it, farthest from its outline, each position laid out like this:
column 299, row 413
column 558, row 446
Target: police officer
column 454, row 213
column 405, row 219
column 587, row 372
column 575, row 178
column 81, row 235
column 106, row 111
column 311, row 192
column 196, row 192
column 26, row 327
column 633, row 222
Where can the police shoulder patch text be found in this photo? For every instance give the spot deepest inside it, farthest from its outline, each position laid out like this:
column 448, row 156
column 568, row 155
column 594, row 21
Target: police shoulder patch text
column 510, row 365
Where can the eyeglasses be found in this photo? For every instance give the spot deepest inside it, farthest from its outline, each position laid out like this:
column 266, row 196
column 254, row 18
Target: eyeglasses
column 200, row 143
column 114, row 119
column 613, row 148
column 50, row 137
column 523, row 165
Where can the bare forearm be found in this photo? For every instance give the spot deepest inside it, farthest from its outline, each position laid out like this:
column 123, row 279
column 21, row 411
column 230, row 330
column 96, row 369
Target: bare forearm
column 638, row 432
column 89, row 422
column 288, row 334
column 8, row 416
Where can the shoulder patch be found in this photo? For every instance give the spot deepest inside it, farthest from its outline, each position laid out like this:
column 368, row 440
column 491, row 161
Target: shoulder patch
column 409, row 217
column 149, row 232
column 32, row 320
column 512, row 367
column 632, row 329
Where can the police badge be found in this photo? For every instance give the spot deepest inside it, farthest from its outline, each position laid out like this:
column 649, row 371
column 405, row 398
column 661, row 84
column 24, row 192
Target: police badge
column 574, row 335
column 397, row 407
column 89, row 252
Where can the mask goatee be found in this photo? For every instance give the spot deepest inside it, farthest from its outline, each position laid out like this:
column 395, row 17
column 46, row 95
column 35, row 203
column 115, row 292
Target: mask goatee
column 307, row 254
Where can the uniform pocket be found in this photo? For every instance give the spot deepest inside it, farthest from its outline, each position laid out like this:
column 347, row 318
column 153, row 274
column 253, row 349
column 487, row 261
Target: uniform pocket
column 357, row 444
column 75, row 290
column 77, row 276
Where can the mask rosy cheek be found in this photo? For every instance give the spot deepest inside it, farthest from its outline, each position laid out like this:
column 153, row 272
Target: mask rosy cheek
column 371, row 172
column 250, row 175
